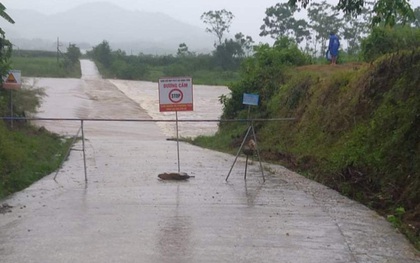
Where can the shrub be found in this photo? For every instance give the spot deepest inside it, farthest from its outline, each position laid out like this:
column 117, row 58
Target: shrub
column 263, row 74
column 387, row 40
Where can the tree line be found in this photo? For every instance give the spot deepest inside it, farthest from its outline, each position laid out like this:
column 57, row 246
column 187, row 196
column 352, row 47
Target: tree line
column 358, row 20
column 323, row 18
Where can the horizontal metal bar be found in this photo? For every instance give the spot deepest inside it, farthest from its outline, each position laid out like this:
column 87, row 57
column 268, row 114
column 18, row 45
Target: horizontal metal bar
column 143, row 120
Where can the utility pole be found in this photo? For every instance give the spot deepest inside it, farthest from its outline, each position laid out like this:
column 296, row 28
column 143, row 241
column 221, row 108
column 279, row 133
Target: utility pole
column 58, row 49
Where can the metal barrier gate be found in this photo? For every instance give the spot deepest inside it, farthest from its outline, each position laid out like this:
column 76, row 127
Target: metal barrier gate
column 80, row 132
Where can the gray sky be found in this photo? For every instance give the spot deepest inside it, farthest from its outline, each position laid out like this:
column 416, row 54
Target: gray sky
column 248, row 13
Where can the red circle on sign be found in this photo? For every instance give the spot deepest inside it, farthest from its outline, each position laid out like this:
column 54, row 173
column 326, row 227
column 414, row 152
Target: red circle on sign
column 176, row 95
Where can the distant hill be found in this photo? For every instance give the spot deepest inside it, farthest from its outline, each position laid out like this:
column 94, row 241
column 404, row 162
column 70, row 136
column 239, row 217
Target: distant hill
column 90, row 24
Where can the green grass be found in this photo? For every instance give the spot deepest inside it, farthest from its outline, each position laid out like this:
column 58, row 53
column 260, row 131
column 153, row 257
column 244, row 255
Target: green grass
column 44, row 67
column 201, row 77
column 227, row 141
column 26, row 155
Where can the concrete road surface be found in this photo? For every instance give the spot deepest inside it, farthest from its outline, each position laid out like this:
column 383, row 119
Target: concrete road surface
column 124, row 213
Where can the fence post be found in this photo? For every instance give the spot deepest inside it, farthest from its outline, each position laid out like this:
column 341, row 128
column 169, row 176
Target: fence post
column 68, row 153
column 83, row 149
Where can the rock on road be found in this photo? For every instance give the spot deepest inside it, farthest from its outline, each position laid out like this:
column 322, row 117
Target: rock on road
column 124, row 213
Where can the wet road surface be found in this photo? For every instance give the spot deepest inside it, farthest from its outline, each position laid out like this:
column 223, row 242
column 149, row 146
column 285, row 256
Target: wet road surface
column 124, row 213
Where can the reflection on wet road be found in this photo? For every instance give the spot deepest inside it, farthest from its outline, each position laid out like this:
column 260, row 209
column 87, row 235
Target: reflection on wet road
column 174, row 237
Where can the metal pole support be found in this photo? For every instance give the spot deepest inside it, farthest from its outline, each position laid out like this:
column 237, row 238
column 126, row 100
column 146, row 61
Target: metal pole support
column 177, row 141
column 239, row 152
column 250, row 128
column 84, row 153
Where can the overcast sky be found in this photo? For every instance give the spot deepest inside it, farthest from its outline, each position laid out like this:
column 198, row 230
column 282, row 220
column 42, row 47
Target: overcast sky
column 248, row 13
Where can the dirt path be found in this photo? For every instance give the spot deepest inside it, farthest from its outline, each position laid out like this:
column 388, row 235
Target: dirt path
column 125, row 214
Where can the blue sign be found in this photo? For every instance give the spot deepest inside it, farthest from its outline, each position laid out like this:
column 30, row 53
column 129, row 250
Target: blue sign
column 251, row 99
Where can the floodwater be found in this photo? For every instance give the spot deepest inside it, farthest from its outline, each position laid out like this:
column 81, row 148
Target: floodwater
column 124, row 213
column 206, row 107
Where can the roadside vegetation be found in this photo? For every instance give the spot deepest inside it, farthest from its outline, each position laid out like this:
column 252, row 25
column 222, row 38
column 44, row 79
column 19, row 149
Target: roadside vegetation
column 27, row 153
column 356, row 127
column 203, row 68
column 47, row 63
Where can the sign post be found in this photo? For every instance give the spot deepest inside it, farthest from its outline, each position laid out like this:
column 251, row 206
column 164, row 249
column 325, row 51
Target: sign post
column 12, row 81
column 250, row 100
column 176, row 94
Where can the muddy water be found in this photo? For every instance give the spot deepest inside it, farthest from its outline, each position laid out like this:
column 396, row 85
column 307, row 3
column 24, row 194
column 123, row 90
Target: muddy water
column 206, row 107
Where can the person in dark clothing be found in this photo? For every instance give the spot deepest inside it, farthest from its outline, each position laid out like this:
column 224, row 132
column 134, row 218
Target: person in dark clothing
column 333, row 47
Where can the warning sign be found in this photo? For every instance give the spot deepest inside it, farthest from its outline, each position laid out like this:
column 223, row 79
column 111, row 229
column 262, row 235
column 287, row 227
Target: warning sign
column 175, row 94
column 12, row 80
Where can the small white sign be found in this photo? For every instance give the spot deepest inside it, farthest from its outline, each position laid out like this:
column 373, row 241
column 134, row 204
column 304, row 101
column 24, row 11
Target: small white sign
column 250, row 99
column 175, row 94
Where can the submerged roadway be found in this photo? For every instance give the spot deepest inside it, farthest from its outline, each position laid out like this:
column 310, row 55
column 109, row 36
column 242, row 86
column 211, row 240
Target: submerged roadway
column 124, row 213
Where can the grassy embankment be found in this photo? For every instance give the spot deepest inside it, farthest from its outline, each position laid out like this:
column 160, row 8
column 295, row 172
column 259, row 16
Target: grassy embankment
column 29, row 153
column 203, row 77
column 357, row 130
column 153, row 73
column 43, row 64
column 26, row 155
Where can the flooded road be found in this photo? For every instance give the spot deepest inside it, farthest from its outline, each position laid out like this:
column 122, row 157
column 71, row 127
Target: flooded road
column 124, row 213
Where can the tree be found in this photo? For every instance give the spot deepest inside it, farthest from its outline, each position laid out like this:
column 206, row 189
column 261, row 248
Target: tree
column 357, row 28
column 73, row 53
column 231, row 52
column 228, row 54
column 301, row 31
column 385, row 40
column 279, row 21
column 388, row 12
column 323, row 20
column 218, row 21
column 245, row 42
column 5, row 16
column 71, row 57
column 392, row 12
column 183, row 50
column 102, row 53
column 5, row 45
column 416, row 22
column 263, row 73
column 352, row 7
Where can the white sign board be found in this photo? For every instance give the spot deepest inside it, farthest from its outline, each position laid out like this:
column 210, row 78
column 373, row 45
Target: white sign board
column 250, row 99
column 175, row 94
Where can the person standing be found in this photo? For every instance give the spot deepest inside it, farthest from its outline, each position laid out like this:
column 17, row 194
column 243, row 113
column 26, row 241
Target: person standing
column 333, row 47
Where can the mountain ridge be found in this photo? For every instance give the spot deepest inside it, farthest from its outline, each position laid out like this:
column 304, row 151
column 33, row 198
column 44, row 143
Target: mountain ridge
column 92, row 23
